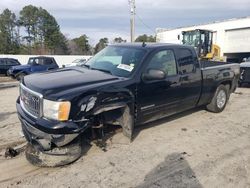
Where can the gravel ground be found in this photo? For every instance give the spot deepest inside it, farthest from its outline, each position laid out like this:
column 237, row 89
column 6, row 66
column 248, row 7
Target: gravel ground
column 6, row 79
column 192, row 149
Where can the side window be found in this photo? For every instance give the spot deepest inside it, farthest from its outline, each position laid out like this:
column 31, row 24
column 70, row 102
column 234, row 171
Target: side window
column 36, row 61
column 8, row 62
column 2, row 62
column 16, row 62
column 48, row 61
column 40, row 61
column 11, row 62
column 164, row 60
column 186, row 61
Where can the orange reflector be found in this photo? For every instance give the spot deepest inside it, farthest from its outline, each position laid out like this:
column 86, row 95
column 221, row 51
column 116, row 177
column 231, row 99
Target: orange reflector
column 63, row 111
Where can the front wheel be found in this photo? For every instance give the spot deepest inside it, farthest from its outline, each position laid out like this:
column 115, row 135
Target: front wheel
column 219, row 100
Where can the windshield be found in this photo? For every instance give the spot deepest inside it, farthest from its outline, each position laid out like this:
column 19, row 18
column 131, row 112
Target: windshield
column 118, row 61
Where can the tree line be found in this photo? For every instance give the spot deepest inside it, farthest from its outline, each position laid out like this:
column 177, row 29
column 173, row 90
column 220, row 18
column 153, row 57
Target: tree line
column 36, row 31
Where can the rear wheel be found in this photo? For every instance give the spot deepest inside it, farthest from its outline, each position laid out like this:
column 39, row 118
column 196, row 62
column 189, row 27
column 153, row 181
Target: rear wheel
column 219, row 100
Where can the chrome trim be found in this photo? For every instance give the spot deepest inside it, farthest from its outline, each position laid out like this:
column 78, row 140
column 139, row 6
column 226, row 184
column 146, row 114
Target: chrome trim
column 222, row 66
column 29, row 90
column 33, row 93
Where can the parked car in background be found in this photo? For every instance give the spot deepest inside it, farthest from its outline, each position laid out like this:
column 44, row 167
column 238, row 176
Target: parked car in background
column 245, row 72
column 77, row 62
column 6, row 63
column 34, row 65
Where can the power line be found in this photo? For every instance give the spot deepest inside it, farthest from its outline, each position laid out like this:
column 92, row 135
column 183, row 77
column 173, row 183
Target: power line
column 140, row 19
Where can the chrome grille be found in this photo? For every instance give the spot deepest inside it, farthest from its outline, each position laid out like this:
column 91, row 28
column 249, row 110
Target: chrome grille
column 31, row 102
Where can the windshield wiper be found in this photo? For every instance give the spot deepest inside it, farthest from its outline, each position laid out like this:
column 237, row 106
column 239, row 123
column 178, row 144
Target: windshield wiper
column 85, row 65
column 103, row 70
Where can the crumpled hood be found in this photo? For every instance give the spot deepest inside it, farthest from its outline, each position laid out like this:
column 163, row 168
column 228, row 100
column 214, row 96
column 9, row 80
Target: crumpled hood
column 67, row 81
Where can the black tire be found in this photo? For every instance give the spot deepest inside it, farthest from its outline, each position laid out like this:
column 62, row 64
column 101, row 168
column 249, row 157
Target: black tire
column 20, row 76
column 215, row 105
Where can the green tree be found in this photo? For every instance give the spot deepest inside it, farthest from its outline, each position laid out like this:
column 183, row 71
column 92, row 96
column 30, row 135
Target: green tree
column 9, row 39
column 119, row 40
column 29, row 19
column 82, row 44
column 43, row 31
column 103, row 42
column 145, row 38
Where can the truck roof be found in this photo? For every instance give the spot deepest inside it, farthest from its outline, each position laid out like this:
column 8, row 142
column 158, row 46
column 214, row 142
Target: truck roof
column 149, row 45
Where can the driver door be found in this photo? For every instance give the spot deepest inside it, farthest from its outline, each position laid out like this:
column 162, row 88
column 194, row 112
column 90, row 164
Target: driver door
column 159, row 98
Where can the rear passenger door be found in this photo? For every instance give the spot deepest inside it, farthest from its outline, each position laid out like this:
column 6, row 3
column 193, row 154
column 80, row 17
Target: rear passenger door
column 190, row 77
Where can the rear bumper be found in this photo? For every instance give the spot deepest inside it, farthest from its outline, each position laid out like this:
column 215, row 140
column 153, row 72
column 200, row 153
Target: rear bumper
column 45, row 134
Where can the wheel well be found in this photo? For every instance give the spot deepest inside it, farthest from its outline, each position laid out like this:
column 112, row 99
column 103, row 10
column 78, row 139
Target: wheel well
column 229, row 83
column 122, row 116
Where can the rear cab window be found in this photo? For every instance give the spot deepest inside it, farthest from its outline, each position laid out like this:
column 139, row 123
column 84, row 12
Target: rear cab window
column 186, row 61
column 48, row 61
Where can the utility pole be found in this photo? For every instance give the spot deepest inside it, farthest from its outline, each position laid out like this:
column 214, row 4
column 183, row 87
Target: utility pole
column 132, row 20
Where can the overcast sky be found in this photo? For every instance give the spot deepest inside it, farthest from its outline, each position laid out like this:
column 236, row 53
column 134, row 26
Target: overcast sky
column 110, row 18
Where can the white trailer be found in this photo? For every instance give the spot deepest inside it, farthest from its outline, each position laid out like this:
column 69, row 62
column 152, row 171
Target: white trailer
column 232, row 36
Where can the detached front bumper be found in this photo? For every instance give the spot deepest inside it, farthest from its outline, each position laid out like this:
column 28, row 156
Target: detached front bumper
column 45, row 134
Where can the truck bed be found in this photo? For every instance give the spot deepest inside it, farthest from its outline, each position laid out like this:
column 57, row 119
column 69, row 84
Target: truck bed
column 215, row 72
column 206, row 64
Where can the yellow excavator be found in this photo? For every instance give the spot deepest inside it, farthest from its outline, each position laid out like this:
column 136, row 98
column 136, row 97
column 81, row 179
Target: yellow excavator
column 202, row 40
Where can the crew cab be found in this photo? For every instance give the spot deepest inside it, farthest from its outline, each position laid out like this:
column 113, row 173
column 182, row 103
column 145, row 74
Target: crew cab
column 34, row 65
column 124, row 84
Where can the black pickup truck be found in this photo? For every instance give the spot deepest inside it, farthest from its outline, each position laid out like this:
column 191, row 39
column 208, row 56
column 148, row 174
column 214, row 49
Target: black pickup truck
column 126, row 85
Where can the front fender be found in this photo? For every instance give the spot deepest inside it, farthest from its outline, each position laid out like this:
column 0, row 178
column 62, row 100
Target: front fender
column 121, row 103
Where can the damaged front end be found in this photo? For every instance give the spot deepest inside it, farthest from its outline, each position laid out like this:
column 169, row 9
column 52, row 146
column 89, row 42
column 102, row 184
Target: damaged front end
column 52, row 147
column 56, row 143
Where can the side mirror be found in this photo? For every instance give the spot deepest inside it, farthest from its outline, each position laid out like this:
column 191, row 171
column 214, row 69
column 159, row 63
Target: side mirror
column 154, row 74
